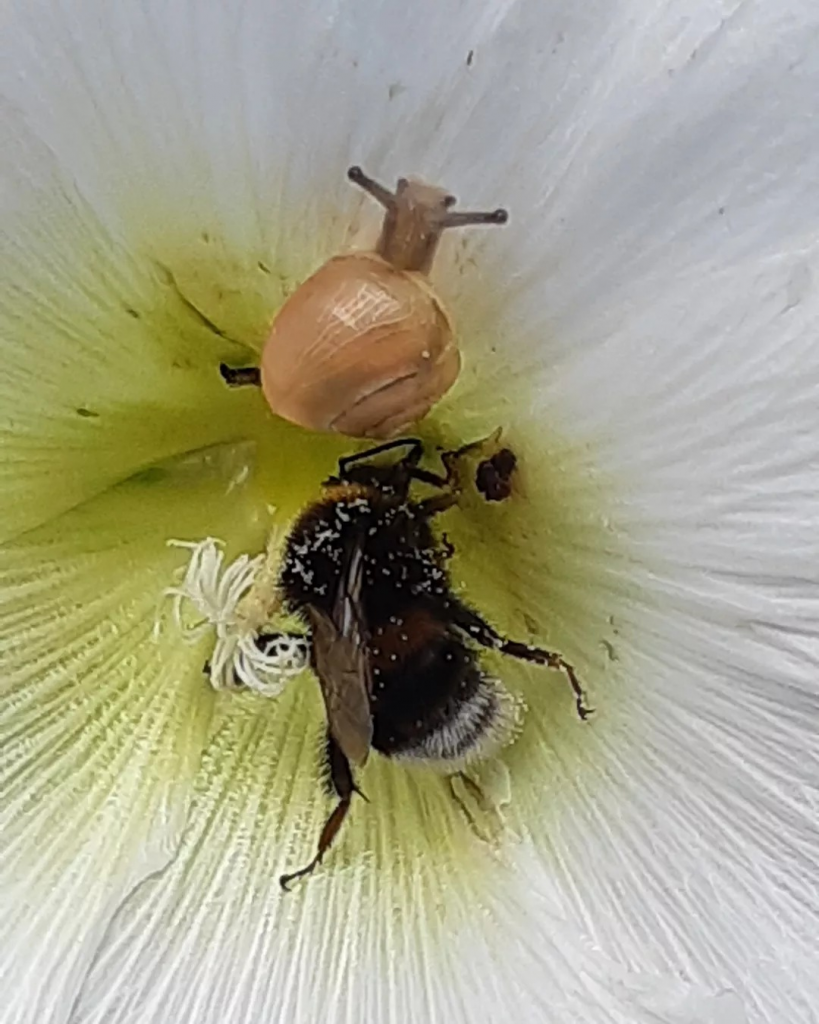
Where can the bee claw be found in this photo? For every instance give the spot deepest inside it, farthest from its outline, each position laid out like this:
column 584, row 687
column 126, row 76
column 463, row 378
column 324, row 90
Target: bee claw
column 285, row 880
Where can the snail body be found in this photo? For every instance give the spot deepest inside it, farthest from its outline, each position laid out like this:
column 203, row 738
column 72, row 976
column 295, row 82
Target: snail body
column 364, row 346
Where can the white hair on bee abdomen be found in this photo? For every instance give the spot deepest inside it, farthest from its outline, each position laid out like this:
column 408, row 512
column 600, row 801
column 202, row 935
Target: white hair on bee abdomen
column 483, row 723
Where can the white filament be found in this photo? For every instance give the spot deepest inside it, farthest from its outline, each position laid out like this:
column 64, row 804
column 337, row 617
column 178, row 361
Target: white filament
column 212, row 592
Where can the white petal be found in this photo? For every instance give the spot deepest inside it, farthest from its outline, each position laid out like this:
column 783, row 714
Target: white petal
column 106, row 368
column 102, row 726
column 418, row 930
column 654, row 298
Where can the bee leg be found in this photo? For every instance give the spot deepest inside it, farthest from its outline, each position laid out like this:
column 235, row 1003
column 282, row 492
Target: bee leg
column 343, row 783
column 434, row 506
column 411, row 459
column 452, row 459
column 328, row 833
column 451, row 480
column 543, row 657
column 483, row 633
column 238, row 377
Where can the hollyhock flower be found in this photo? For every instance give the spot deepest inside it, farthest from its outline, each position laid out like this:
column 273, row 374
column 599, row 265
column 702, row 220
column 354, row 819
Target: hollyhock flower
column 643, row 330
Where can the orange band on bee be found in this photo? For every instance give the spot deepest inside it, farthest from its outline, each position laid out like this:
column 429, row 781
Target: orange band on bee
column 334, row 493
column 411, row 632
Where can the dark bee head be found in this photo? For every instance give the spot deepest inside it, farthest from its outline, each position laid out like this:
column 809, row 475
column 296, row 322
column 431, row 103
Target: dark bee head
column 387, row 479
column 493, row 477
column 389, row 476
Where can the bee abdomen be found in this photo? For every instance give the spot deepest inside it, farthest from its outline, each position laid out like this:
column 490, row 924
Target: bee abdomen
column 468, row 728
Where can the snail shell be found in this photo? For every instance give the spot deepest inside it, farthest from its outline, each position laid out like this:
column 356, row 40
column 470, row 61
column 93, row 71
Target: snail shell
column 361, row 348
column 364, row 346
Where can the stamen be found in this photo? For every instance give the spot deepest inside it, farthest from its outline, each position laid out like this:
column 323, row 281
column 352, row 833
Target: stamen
column 207, row 599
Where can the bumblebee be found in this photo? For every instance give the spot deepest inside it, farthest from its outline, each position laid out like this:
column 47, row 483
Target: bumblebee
column 394, row 649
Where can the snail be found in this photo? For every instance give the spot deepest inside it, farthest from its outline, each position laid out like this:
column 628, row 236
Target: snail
column 364, row 346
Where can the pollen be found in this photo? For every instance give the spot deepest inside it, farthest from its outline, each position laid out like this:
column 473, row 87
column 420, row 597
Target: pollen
column 206, row 601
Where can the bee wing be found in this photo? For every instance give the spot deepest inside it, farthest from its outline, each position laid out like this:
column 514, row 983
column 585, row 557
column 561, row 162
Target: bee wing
column 342, row 665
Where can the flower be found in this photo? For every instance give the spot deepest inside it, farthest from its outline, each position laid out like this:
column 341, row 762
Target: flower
column 644, row 331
